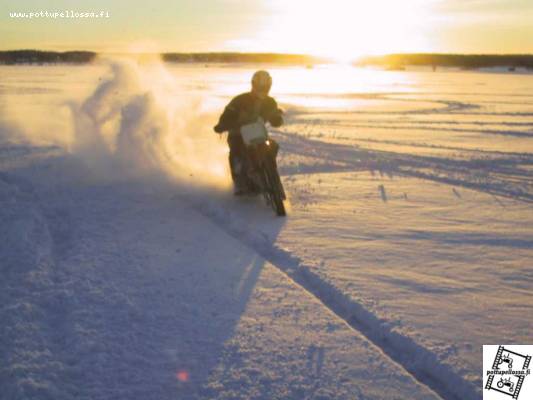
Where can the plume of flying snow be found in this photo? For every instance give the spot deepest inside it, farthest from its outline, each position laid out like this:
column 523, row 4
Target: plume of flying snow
column 135, row 120
column 138, row 119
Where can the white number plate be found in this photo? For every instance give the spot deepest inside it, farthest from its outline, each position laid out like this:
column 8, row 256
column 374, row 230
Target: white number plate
column 254, row 133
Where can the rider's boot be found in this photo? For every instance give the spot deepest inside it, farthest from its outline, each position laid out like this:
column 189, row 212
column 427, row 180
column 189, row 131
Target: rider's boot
column 240, row 184
column 237, row 174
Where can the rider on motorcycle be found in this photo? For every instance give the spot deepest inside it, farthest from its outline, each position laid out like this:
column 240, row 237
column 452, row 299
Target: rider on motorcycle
column 244, row 109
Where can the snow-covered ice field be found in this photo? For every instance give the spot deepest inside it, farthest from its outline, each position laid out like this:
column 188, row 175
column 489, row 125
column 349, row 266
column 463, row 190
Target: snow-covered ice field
column 130, row 271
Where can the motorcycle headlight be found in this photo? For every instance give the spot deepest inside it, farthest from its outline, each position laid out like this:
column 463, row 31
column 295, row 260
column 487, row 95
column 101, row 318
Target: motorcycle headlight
column 268, row 142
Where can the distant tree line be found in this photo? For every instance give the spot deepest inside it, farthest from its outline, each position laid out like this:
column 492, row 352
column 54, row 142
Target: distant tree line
column 467, row 61
column 45, row 57
column 50, row 57
column 276, row 58
column 451, row 60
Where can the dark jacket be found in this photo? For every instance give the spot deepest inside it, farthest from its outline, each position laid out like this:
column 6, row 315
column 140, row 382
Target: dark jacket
column 244, row 109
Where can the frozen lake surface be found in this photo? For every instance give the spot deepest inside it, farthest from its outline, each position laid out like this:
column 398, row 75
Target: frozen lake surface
column 131, row 271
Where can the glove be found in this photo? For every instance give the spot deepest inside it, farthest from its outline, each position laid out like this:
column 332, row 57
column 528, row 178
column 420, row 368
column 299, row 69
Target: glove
column 218, row 129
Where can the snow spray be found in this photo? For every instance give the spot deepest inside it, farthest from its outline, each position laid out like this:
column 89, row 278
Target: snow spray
column 138, row 120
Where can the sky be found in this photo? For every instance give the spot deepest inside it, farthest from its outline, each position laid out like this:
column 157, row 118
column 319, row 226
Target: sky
column 333, row 28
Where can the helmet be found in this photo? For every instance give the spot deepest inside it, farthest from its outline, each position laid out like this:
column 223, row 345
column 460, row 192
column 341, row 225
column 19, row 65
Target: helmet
column 262, row 81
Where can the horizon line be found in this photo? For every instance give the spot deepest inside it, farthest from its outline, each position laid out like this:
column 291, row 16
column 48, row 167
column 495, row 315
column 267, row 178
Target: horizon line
column 263, row 53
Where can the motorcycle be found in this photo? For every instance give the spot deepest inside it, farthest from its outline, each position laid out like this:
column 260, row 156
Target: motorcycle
column 262, row 170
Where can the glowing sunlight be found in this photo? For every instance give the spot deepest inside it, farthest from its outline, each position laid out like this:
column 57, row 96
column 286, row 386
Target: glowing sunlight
column 343, row 30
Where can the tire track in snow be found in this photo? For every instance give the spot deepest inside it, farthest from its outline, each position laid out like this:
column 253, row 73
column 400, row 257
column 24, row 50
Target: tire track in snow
column 420, row 363
column 35, row 296
column 479, row 174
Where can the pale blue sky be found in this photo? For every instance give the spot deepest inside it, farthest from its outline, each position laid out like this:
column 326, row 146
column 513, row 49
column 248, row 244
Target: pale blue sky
column 327, row 27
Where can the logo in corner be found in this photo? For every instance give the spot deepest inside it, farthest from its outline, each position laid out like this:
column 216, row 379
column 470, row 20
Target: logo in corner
column 509, row 372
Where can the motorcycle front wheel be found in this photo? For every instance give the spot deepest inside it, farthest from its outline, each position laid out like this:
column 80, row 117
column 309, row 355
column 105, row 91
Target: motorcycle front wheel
column 274, row 192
